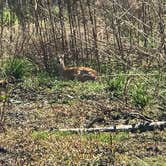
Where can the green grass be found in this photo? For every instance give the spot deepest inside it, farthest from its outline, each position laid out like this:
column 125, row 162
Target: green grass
column 17, row 68
column 73, row 103
column 45, row 134
column 8, row 18
column 106, row 137
column 36, row 135
column 72, row 91
column 140, row 90
column 115, row 86
column 77, row 86
column 146, row 161
column 99, row 137
column 139, row 95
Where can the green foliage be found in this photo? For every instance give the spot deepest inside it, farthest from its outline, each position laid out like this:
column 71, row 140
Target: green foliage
column 100, row 137
column 53, row 67
column 62, row 89
column 3, row 97
column 17, row 68
column 9, row 18
column 106, row 137
column 121, row 136
column 115, row 86
column 159, row 160
column 73, row 90
column 140, row 96
column 55, row 10
column 44, row 78
column 39, row 79
column 40, row 135
column 138, row 89
column 90, row 86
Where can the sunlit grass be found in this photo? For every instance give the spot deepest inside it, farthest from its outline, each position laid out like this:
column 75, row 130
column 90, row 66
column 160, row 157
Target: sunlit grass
column 99, row 137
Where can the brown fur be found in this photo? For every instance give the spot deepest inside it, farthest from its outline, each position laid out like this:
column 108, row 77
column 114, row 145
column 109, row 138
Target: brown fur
column 79, row 73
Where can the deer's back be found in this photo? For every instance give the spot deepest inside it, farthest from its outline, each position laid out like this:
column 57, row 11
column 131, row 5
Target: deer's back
column 80, row 73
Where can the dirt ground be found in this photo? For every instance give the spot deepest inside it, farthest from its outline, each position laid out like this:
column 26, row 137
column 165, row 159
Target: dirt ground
column 31, row 117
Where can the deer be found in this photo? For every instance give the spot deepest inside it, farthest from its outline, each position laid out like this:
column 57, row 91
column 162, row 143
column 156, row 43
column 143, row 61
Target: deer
column 75, row 73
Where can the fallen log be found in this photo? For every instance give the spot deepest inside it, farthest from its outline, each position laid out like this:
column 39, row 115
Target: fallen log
column 141, row 127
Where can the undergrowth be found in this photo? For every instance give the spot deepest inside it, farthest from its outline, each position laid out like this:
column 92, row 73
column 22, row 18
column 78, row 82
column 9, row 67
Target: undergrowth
column 52, row 103
column 17, row 68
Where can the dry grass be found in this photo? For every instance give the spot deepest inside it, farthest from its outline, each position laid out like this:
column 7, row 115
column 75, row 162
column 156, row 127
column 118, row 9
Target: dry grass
column 29, row 138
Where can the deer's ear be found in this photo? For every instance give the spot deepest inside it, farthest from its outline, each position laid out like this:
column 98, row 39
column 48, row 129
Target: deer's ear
column 62, row 55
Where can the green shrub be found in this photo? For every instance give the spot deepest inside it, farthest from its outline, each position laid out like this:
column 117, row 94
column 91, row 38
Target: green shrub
column 139, row 95
column 8, row 18
column 40, row 135
column 17, row 67
column 44, row 78
column 115, row 86
column 105, row 137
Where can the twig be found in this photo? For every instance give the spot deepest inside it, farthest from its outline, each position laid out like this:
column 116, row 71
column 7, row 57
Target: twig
column 138, row 115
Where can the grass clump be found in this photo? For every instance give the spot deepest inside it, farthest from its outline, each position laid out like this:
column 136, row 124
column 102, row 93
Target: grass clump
column 146, row 161
column 78, row 87
column 17, row 68
column 40, row 135
column 139, row 95
column 106, row 137
column 138, row 91
column 115, row 86
column 91, row 87
column 44, row 78
column 74, row 90
column 99, row 137
column 8, row 18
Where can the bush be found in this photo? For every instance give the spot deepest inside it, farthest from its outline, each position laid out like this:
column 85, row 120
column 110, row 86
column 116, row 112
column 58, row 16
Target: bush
column 17, row 67
column 139, row 95
column 137, row 91
column 44, row 78
column 8, row 19
column 115, row 86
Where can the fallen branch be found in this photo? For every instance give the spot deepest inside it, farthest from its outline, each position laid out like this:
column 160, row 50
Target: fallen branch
column 140, row 116
column 141, row 127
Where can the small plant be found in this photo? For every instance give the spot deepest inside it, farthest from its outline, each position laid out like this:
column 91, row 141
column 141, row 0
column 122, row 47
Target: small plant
column 8, row 18
column 140, row 96
column 17, row 67
column 116, row 86
column 44, row 78
column 40, row 135
column 105, row 137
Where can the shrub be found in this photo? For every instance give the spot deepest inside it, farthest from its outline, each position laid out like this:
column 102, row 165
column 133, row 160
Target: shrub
column 17, row 67
column 44, row 78
column 8, row 19
column 116, row 85
column 139, row 95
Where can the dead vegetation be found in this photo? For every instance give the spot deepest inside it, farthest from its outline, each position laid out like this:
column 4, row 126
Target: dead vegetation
column 33, row 115
column 124, row 41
